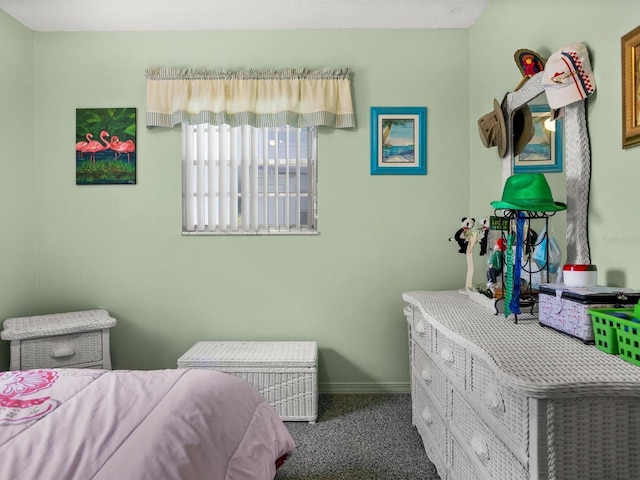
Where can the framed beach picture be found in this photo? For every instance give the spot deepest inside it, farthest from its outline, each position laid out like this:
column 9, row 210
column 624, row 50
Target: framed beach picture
column 631, row 89
column 398, row 140
column 105, row 146
column 544, row 152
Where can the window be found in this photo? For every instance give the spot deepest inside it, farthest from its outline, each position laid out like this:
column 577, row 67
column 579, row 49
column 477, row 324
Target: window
column 249, row 180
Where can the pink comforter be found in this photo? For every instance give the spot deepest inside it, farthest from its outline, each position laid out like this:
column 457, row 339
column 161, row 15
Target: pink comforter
column 131, row 425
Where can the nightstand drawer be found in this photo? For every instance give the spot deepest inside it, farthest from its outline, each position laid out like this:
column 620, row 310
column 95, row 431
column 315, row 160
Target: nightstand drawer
column 62, row 350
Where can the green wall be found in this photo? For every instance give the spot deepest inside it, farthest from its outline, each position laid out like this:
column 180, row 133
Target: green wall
column 18, row 235
column 120, row 247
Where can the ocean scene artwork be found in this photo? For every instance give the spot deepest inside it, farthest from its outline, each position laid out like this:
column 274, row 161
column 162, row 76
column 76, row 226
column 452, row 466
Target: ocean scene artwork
column 544, row 151
column 105, row 146
column 398, row 141
column 539, row 147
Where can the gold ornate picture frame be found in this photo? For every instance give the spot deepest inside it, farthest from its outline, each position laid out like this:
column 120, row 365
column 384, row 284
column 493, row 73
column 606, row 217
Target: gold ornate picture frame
column 630, row 44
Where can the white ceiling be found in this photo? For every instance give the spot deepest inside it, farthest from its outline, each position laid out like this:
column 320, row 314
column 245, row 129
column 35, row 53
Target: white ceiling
column 121, row 15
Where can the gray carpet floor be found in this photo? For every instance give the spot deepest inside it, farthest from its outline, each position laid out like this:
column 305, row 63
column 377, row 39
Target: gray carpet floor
column 358, row 437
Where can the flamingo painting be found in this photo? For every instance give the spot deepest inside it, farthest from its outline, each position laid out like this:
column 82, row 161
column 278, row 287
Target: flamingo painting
column 80, row 146
column 119, row 147
column 94, row 146
column 117, row 136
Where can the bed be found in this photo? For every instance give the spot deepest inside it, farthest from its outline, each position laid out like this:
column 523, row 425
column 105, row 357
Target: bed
column 163, row 424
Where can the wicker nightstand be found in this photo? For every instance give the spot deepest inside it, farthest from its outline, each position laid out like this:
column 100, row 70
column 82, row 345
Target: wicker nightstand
column 62, row 340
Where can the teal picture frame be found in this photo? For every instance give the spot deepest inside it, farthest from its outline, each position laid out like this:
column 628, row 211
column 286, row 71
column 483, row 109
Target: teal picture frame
column 398, row 140
column 544, row 152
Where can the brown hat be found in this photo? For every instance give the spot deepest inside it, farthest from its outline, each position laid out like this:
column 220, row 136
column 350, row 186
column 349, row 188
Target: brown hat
column 493, row 129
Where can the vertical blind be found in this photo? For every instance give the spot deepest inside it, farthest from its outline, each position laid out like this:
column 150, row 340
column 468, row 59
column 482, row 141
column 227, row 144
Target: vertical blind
column 249, row 142
column 248, row 179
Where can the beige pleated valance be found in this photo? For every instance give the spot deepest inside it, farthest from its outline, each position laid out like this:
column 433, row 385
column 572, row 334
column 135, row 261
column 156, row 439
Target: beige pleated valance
column 300, row 98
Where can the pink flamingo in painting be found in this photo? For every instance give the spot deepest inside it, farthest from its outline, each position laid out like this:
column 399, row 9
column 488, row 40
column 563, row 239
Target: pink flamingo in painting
column 119, row 147
column 80, row 146
column 95, row 146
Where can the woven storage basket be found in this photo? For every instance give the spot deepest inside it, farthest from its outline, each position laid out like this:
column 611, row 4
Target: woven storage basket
column 567, row 309
column 285, row 373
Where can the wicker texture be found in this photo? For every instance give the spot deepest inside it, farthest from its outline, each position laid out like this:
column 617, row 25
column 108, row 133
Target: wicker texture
column 494, row 455
column 431, row 424
column 285, row 373
column 42, row 352
column 534, row 404
column 461, row 466
column 73, row 339
column 507, row 408
column 20, row 328
column 527, row 357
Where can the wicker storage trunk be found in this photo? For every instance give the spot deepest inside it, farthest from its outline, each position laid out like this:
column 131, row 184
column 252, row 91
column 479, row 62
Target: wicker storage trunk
column 285, row 373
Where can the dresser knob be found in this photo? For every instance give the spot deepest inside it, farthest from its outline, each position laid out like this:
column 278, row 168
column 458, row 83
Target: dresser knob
column 494, row 401
column 426, row 416
column 426, row 375
column 63, row 352
column 420, row 327
column 447, row 355
column 480, row 448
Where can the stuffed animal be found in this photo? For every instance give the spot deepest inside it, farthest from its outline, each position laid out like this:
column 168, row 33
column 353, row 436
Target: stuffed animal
column 484, row 235
column 461, row 235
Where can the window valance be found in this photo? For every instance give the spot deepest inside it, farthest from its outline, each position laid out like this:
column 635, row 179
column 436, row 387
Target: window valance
column 296, row 97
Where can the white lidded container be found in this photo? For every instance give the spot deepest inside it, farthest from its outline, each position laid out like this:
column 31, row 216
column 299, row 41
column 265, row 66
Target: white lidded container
column 580, row 275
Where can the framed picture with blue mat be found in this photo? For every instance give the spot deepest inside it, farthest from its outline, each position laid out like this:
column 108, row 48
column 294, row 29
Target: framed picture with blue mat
column 544, row 152
column 398, row 140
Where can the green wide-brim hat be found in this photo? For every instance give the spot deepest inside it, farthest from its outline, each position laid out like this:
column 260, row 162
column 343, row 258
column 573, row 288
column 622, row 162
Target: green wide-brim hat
column 528, row 192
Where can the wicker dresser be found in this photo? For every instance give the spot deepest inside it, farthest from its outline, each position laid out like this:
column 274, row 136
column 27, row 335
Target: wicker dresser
column 497, row 400
column 285, row 373
column 61, row 340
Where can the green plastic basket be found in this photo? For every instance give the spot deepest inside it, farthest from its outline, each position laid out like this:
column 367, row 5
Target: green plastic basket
column 616, row 335
column 629, row 342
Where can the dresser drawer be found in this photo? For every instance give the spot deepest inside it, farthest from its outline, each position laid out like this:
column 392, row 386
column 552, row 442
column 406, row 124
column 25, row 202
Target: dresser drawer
column 421, row 329
column 429, row 422
column 488, row 449
column 430, row 375
column 452, row 356
column 461, row 466
column 62, row 350
column 506, row 408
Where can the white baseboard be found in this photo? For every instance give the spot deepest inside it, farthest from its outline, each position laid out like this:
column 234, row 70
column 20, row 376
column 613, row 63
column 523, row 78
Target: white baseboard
column 387, row 387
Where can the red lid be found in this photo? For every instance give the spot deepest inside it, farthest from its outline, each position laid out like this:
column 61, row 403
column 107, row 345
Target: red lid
column 579, row 267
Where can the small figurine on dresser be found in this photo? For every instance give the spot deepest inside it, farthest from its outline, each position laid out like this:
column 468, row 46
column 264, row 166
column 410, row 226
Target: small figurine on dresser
column 484, row 235
column 496, row 261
